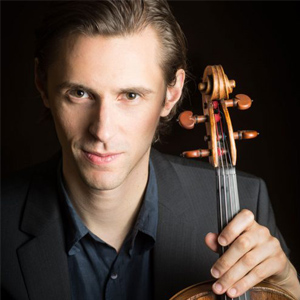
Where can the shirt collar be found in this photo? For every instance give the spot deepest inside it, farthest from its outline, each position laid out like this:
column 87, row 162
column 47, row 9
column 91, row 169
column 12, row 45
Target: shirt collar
column 140, row 239
column 75, row 227
column 143, row 235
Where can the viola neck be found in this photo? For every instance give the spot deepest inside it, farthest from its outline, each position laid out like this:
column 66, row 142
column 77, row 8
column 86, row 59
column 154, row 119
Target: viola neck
column 228, row 204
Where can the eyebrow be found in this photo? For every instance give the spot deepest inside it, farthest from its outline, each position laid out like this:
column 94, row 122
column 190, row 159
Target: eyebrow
column 137, row 89
column 68, row 85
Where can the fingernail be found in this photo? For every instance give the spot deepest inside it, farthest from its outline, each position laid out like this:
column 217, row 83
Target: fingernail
column 232, row 292
column 218, row 287
column 222, row 241
column 215, row 272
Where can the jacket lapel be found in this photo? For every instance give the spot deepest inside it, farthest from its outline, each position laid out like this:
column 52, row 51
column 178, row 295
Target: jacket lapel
column 43, row 258
column 177, row 261
column 169, row 250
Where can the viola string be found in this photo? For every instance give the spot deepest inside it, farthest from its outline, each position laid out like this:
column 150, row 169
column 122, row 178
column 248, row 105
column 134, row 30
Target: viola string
column 223, row 185
column 222, row 155
column 229, row 173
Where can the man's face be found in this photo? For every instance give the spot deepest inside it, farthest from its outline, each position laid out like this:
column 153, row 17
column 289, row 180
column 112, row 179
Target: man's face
column 106, row 95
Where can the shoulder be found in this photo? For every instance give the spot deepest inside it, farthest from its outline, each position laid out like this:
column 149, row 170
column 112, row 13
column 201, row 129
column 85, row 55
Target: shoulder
column 196, row 167
column 199, row 177
column 181, row 164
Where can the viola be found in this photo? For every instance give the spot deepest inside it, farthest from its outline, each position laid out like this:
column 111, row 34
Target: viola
column 222, row 153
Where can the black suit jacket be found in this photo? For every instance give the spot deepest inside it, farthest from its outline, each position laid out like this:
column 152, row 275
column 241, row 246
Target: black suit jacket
column 34, row 260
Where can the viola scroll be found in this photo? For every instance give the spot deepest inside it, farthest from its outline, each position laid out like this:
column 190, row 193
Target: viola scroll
column 215, row 89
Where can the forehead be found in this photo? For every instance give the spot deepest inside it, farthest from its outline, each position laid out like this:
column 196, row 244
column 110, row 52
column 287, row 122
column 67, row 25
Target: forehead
column 102, row 59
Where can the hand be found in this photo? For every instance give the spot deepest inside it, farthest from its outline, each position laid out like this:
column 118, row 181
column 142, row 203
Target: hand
column 253, row 256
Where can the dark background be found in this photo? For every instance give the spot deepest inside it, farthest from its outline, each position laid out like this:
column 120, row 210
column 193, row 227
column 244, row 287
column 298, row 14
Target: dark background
column 255, row 42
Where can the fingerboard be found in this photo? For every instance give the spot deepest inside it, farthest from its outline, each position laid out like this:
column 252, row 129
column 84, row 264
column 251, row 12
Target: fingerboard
column 228, row 206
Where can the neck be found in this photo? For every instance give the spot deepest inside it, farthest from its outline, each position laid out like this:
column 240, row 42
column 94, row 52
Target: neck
column 109, row 214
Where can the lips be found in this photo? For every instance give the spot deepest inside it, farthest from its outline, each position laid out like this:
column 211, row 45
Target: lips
column 100, row 158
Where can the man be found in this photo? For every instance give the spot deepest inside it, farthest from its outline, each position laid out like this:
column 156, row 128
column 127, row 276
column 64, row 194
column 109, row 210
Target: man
column 109, row 218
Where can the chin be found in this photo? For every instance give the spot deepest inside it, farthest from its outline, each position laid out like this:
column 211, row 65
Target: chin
column 101, row 182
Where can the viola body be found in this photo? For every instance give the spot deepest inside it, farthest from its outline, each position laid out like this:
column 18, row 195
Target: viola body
column 262, row 291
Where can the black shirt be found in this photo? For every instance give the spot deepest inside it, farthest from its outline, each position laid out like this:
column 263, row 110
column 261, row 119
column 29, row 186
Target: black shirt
column 96, row 270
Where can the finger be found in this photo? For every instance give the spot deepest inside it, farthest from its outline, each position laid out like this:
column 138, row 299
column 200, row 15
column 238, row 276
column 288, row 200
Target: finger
column 242, row 245
column 240, row 223
column 245, row 265
column 238, row 249
column 258, row 274
column 211, row 241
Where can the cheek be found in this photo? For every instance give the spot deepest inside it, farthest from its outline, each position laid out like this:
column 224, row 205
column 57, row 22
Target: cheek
column 69, row 124
column 145, row 124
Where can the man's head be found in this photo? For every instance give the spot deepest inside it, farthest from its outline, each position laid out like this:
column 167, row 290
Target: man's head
column 114, row 18
column 108, row 78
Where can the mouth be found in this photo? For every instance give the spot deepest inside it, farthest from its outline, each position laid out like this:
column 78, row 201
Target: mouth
column 101, row 158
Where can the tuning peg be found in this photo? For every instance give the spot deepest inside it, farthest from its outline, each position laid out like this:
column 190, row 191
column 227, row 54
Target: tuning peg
column 245, row 134
column 187, row 120
column 241, row 101
column 196, row 153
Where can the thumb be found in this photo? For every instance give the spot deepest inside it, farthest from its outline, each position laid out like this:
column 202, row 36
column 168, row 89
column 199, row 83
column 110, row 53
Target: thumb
column 211, row 240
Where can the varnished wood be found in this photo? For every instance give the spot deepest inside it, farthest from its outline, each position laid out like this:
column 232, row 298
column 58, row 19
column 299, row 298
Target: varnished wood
column 211, row 131
column 230, row 133
column 196, row 153
column 262, row 291
column 215, row 83
column 216, row 86
column 187, row 120
column 215, row 89
column 241, row 101
column 245, row 134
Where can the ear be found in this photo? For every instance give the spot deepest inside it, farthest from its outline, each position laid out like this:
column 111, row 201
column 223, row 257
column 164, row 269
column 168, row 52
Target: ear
column 173, row 93
column 39, row 83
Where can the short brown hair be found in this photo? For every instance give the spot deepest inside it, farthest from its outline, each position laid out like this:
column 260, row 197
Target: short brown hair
column 114, row 18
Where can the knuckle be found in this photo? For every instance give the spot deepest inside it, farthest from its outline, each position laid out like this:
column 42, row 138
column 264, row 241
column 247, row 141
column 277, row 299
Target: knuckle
column 243, row 285
column 275, row 242
column 223, row 265
column 231, row 232
column 227, row 280
column 259, row 273
column 264, row 231
column 282, row 259
column 249, row 214
column 249, row 260
column 282, row 256
column 243, row 243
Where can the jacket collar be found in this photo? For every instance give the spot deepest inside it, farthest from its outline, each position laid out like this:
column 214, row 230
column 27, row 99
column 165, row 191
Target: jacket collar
column 174, row 230
column 42, row 208
column 43, row 258
column 169, row 187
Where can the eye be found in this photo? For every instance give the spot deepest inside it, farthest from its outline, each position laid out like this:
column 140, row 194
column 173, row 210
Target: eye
column 131, row 95
column 79, row 93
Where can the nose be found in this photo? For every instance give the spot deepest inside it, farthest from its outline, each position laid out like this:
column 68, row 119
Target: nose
column 102, row 124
